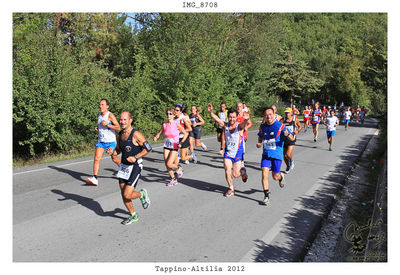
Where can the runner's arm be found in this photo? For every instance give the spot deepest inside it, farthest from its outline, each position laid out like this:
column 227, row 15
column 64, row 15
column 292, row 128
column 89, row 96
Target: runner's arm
column 259, row 143
column 115, row 125
column 298, row 124
column 188, row 124
column 159, row 134
column 244, row 124
column 223, row 142
column 214, row 116
column 184, row 132
column 201, row 121
column 140, row 140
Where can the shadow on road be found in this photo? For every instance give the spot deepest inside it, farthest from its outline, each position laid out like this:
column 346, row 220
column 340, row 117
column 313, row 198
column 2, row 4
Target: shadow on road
column 210, row 187
column 90, row 204
column 78, row 175
column 301, row 225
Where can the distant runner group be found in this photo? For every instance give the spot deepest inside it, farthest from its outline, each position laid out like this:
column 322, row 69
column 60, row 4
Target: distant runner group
column 181, row 132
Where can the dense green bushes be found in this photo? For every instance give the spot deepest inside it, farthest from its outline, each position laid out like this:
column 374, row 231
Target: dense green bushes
column 63, row 64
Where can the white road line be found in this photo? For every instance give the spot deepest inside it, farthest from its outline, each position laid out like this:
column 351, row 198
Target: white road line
column 84, row 161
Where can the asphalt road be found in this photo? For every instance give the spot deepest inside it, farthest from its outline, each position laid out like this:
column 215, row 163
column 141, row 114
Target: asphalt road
column 57, row 217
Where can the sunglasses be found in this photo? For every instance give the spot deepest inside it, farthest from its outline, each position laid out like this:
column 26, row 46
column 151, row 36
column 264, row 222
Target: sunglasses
column 177, row 110
column 169, row 114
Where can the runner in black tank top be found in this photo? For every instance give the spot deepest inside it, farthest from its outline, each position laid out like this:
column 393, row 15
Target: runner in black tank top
column 294, row 126
column 133, row 146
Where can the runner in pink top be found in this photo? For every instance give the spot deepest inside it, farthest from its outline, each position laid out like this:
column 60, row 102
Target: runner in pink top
column 171, row 130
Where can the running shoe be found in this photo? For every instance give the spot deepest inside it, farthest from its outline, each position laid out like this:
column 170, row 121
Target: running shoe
column 330, row 149
column 92, row 181
column 282, row 181
column 287, row 169
column 265, row 201
column 179, row 172
column 203, row 146
column 172, row 182
column 145, row 199
column 291, row 164
column 186, row 161
column 131, row 219
column 305, row 131
column 194, row 157
column 230, row 193
column 244, row 174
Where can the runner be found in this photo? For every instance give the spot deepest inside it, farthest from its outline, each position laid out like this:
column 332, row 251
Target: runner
column 347, row 116
column 306, row 118
column 331, row 123
column 195, row 134
column 171, row 130
column 184, row 120
column 234, row 149
column 246, row 109
column 107, row 124
column 358, row 113
column 133, row 146
column 240, row 118
column 223, row 115
column 295, row 111
column 362, row 114
column 324, row 113
column 271, row 136
column 293, row 124
column 316, row 120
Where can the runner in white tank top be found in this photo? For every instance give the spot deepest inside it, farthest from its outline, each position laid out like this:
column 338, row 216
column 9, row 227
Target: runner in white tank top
column 107, row 124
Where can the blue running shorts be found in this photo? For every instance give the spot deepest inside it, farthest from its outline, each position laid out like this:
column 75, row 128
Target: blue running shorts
column 273, row 164
column 106, row 145
column 330, row 134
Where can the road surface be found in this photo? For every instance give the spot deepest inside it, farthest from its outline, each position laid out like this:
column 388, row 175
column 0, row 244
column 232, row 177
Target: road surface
column 57, row 217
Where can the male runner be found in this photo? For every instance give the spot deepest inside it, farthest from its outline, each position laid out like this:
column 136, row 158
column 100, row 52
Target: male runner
column 223, row 115
column 107, row 124
column 271, row 136
column 234, row 149
column 331, row 123
column 347, row 116
column 293, row 124
column 240, row 119
column 306, row 118
column 133, row 146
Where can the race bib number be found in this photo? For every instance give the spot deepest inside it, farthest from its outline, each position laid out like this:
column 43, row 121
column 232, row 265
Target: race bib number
column 169, row 143
column 315, row 118
column 124, row 171
column 305, row 115
column 269, row 144
column 231, row 146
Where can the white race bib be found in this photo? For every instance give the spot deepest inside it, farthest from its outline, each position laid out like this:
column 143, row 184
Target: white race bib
column 269, row 144
column 125, row 171
column 315, row 118
column 231, row 145
column 305, row 115
column 169, row 143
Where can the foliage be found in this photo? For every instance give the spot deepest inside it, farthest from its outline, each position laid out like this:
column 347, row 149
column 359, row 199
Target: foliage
column 64, row 63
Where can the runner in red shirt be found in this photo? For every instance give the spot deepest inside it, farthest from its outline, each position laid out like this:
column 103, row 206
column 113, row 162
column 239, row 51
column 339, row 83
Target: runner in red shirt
column 240, row 119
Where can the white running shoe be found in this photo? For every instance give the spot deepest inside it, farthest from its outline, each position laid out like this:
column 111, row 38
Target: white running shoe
column 186, row 161
column 92, row 181
column 265, row 201
column 194, row 157
column 203, row 146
